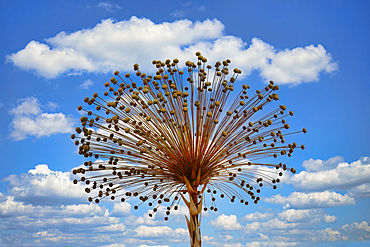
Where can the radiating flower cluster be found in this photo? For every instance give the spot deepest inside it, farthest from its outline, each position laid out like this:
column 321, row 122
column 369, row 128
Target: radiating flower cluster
column 160, row 137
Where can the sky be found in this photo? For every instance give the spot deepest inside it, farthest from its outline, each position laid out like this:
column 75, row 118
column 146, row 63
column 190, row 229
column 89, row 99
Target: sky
column 54, row 54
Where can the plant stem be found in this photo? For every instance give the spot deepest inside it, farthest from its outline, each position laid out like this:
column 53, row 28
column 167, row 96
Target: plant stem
column 194, row 222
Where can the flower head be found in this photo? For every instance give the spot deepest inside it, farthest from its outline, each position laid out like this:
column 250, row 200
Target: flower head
column 162, row 136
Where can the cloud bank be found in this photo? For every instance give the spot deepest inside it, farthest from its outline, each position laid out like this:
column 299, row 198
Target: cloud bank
column 42, row 186
column 117, row 45
column 341, row 176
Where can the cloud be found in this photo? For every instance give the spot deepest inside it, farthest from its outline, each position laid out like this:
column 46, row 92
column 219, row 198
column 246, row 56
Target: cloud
column 306, row 215
column 30, row 120
column 160, row 231
column 312, row 200
column 273, row 224
column 178, row 13
column 52, row 106
column 121, row 209
column 112, row 228
column 42, row 186
column 342, row 177
column 28, row 106
column 202, row 8
column 113, row 245
column 257, row 216
column 109, row 7
column 279, row 224
column 328, row 235
column 1, row 105
column 144, row 245
column 13, row 208
column 117, row 45
column 225, row 222
column 363, row 226
column 303, row 233
column 86, row 84
column 361, row 191
column 318, row 165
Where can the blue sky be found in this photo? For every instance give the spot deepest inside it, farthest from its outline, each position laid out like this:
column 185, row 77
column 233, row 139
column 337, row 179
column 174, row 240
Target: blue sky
column 55, row 54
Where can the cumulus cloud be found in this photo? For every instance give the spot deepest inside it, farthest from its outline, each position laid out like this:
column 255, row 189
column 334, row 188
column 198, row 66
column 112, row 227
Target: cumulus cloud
column 112, row 45
column 342, row 177
column 30, row 120
column 257, row 216
column 283, row 233
column 160, row 231
column 318, row 165
column 121, row 209
column 113, row 245
column 272, row 244
column 86, row 84
column 328, row 235
column 44, row 186
column 352, row 228
column 144, row 245
column 312, row 200
column 306, row 215
column 361, row 191
column 225, row 222
column 112, row 228
column 273, row 224
column 78, row 214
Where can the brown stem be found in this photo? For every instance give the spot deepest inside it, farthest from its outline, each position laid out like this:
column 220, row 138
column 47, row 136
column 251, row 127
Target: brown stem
column 194, row 222
column 195, row 236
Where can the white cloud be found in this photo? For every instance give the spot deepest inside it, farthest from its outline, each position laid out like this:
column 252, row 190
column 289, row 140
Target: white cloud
column 30, row 120
column 364, row 226
column 108, row 6
column 328, row 235
column 48, row 62
column 306, row 215
column 118, row 45
column 86, row 84
column 278, row 224
column 343, row 176
column 273, row 224
column 257, row 216
column 330, row 218
column 1, row 105
column 144, row 245
column 361, row 191
column 121, row 209
column 312, row 200
column 113, row 245
column 11, row 207
column 225, row 222
column 112, row 228
column 271, row 244
column 317, row 165
column 44, row 186
column 27, row 106
column 160, row 231
column 282, row 233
